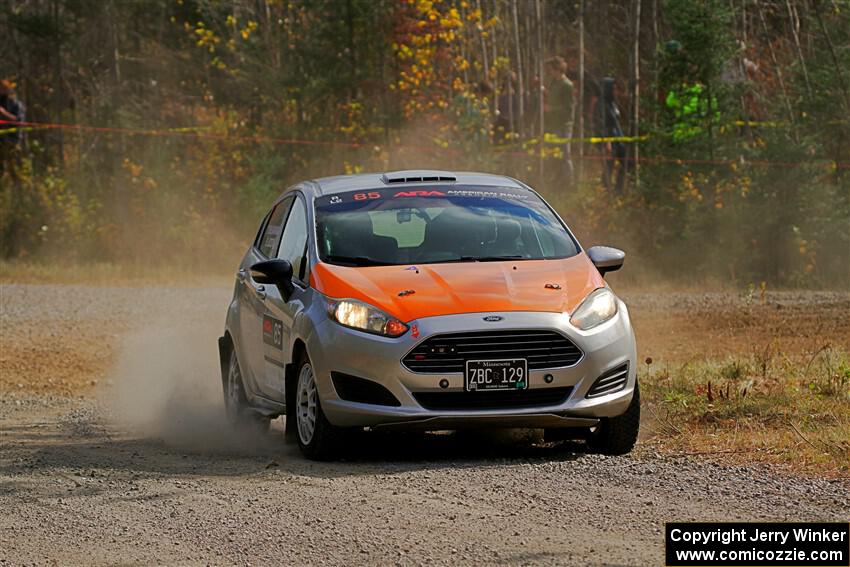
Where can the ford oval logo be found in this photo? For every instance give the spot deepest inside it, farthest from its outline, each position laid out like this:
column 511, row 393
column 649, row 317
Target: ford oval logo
column 493, row 318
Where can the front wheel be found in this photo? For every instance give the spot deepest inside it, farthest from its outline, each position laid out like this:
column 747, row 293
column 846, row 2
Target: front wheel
column 318, row 439
column 617, row 435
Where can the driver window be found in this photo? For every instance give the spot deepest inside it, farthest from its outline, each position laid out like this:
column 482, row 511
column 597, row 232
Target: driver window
column 293, row 243
column 271, row 234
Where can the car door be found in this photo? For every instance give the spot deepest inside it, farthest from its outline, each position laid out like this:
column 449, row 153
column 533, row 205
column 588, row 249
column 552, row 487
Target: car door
column 281, row 311
column 252, row 300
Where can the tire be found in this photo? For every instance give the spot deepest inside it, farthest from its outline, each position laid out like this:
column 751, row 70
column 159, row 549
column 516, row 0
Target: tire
column 617, row 435
column 239, row 412
column 317, row 438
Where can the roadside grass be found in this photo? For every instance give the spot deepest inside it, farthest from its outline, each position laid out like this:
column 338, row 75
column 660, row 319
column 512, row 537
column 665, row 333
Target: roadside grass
column 766, row 407
column 108, row 273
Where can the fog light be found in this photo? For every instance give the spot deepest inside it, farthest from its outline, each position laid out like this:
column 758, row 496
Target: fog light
column 548, row 378
column 444, row 383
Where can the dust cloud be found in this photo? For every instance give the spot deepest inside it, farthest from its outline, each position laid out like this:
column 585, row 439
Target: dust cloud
column 167, row 385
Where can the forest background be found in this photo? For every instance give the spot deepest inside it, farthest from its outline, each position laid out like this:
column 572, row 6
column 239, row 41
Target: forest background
column 159, row 132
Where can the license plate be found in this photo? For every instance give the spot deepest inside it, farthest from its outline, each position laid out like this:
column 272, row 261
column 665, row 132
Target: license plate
column 485, row 375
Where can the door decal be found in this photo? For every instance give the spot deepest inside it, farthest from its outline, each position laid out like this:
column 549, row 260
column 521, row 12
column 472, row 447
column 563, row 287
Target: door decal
column 272, row 332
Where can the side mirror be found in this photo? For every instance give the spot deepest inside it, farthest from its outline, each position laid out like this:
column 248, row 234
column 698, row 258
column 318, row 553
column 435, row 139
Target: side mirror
column 606, row 259
column 274, row 272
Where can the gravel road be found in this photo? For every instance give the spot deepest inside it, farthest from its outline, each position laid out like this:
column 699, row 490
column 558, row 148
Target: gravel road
column 113, row 451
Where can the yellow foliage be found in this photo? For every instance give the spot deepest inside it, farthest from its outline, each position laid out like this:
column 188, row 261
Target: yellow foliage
column 134, row 169
column 248, row 30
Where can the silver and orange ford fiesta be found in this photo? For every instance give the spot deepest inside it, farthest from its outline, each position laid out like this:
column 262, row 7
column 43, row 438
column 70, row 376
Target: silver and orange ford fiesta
column 427, row 300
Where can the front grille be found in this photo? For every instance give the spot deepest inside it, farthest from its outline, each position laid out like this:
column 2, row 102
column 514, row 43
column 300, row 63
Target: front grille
column 354, row 389
column 501, row 399
column 612, row 381
column 447, row 353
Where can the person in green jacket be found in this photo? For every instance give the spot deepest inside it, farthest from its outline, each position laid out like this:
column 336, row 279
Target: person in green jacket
column 689, row 105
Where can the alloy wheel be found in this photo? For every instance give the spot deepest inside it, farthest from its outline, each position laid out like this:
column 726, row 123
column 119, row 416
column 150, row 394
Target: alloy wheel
column 307, row 400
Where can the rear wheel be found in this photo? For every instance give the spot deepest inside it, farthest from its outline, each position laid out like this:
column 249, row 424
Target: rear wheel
column 617, row 435
column 318, row 439
column 239, row 412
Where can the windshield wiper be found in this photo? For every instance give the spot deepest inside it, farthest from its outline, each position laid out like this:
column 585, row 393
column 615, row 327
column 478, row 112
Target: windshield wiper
column 356, row 260
column 486, row 258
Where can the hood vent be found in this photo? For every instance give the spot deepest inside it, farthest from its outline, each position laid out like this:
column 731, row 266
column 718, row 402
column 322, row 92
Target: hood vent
column 418, row 177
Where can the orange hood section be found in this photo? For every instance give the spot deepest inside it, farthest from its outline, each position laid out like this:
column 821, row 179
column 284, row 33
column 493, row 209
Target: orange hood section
column 466, row 287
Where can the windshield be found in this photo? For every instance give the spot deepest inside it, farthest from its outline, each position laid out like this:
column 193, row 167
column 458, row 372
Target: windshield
column 399, row 226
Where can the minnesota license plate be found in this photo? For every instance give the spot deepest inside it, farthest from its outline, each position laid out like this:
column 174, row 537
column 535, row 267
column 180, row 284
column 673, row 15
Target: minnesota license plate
column 484, row 375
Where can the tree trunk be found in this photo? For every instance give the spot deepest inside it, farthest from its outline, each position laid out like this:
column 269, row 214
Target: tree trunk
column 484, row 57
column 795, row 22
column 832, row 54
column 520, row 126
column 352, row 51
column 776, row 66
column 59, row 86
column 635, row 87
column 655, row 62
column 542, row 132
column 581, row 101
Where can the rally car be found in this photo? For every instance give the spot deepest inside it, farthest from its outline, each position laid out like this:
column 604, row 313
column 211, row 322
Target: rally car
column 427, row 300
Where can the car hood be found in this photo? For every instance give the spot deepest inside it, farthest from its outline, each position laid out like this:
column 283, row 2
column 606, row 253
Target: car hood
column 469, row 287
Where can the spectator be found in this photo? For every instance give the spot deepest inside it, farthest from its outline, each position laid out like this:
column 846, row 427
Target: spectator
column 615, row 151
column 592, row 97
column 12, row 110
column 560, row 107
column 11, row 135
column 506, row 122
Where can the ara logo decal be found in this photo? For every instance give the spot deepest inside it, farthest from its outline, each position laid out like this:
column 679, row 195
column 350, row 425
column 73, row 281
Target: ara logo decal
column 420, row 194
column 493, row 318
column 272, row 332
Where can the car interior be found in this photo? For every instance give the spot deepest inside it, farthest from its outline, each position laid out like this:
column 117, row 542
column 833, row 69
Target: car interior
column 402, row 236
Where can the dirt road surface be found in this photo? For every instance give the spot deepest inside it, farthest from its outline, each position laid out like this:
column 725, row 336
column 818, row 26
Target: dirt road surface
column 113, row 451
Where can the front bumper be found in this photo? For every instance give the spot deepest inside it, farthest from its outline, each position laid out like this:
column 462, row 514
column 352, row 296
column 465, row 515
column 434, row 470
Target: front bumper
column 334, row 348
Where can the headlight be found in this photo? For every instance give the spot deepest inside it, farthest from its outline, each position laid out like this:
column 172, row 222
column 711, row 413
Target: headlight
column 599, row 306
column 364, row 317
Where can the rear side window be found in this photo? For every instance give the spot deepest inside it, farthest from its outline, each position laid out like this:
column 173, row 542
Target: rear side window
column 271, row 234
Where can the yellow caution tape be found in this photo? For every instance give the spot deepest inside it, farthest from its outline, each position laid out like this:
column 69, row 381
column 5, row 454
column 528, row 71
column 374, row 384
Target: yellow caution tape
column 13, row 130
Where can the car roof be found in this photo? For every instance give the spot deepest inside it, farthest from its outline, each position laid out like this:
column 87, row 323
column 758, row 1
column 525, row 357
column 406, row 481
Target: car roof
column 341, row 183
